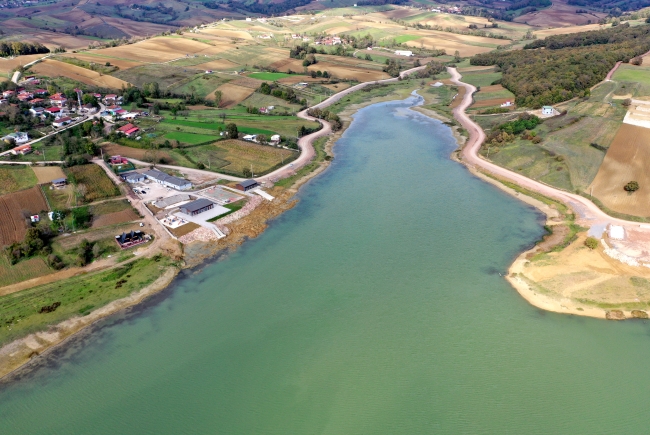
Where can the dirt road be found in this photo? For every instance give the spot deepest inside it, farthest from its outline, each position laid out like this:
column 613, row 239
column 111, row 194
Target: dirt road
column 586, row 210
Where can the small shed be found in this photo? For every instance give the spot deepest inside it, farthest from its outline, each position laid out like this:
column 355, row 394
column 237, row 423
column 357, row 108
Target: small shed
column 548, row 110
column 247, row 185
column 616, row 232
column 59, row 182
column 198, row 206
column 133, row 177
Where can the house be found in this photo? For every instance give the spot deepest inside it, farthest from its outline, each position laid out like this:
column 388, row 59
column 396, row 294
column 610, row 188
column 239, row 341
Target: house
column 118, row 160
column 127, row 240
column 275, row 140
column 36, row 101
column 8, row 94
column 403, row 53
column 111, row 99
column 37, row 111
column 167, row 180
column 196, row 207
column 35, row 218
column 548, row 110
column 507, row 104
column 52, row 110
column 18, row 138
column 246, row 185
column 250, row 137
column 40, row 92
column 25, row 96
column 128, row 130
column 59, row 182
column 90, row 108
column 22, row 150
column 58, row 100
column 133, row 177
column 98, row 96
column 60, row 122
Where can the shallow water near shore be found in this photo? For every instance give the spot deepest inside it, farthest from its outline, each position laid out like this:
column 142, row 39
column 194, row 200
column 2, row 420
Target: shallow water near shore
column 375, row 306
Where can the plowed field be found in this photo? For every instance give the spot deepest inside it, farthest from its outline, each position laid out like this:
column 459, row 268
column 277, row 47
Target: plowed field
column 13, row 208
column 117, row 217
column 231, row 95
column 54, row 68
column 627, row 159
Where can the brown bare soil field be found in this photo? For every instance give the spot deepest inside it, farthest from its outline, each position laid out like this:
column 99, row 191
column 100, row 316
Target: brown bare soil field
column 397, row 13
column 120, row 63
column 338, row 87
column 450, row 45
column 45, row 174
column 492, row 88
column 337, row 71
column 541, row 34
column 474, row 68
column 8, row 65
column 247, row 82
column 117, row 217
column 54, row 68
column 339, row 29
column 219, row 64
column 492, row 102
column 136, row 28
column 12, row 206
column 627, row 159
column 228, row 33
column 231, row 95
column 558, row 15
column 136, row 153
column 295, row 78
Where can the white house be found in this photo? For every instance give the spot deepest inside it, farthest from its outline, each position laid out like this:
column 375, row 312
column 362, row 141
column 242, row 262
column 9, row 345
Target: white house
column 167, row 180
column 18, row 138
column 616, row 232
column 275, row 139
column 507, row 104
column 60, row 122
column 403, row 52
column 548, row 110
column 250, row 137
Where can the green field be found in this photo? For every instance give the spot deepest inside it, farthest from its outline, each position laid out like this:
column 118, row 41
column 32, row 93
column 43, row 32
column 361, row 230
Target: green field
column 214, row 126
column 190, row 138
column 16, row 177
column 631, row 73
column 77, row 296
column 269, row 76
column 478, row 96
column 406, row 38
column 481, row 78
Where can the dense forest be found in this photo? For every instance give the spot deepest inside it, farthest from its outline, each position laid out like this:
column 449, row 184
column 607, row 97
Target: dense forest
column 568, row 66
column 19, row 48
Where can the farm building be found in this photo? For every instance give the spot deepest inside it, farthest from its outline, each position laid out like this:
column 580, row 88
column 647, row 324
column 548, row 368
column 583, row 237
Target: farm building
column 53, row 110
column 118, row 160
column 507, row 104
column 18, row 138
column 133, row 177
column 196, row 207
column 616, row 232
column 275, row 139
column 547, row 110
column 36, row 111
column 128, row 240
column 247, row 185
column 22, row 150
column 58, row 100
column 59, row 182
column 60, row 122
column 403, row 52
column 128, row 130
column 171, row 200
column 250, row 137
column 167, row 180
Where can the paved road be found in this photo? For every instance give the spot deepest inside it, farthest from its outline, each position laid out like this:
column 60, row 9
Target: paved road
column 586, row 209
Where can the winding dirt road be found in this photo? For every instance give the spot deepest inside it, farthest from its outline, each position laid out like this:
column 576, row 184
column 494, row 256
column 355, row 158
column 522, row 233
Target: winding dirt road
column 586, row 210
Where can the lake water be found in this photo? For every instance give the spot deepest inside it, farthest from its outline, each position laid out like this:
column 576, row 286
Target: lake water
column 373, row 307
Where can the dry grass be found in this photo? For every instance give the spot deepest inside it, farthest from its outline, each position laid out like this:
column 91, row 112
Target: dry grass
column 451, row 45
column 491, row 102
column 219, row 64
column 231, row 95
column 54, row 68
column 13, row 208
column 120, row 63
column 45, row 174
column 242, row 155
column 627, row 159
column 541, row 34
column 117, row 217
column 239, row 34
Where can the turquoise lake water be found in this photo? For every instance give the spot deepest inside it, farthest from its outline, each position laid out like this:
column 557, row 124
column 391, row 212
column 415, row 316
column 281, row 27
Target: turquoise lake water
column 375, row 306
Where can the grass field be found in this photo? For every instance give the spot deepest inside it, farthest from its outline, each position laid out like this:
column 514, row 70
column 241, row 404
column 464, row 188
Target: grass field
column 481, row 78
column 16, row 177
column 627, row 160
column 632, row 73
column 15, row 209
column 190, row 138
column 96, row 183
column 54, row 68
column 21, row 271
column 269, row 76
column 45, row 174
column 77, row 296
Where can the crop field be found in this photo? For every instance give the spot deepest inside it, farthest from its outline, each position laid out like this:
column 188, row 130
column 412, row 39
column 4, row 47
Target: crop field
column 117, row 217
column 21, row 271
column 231, row 95
column 13, row 210
column 16, row 177
column 54, row 68
column 8, row 65
column 219, row 65
column 626, row 160
column 96, row 182
column 269, row 76
column 482, row 79
column 200, row 128
column 559, row 14
column 96, row 58
column 632, row 73
column 451, row 45
column 45, row 174
column 165, row 75
column 479, row 104
column 260, row 100
column 234, row 34
column 234, row 156
column 202, row 85
column 190, row 138
column 541, row 34
column 136, row 153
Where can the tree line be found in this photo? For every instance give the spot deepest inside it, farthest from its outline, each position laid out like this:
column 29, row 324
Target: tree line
column 547, row 76
column 21, row 48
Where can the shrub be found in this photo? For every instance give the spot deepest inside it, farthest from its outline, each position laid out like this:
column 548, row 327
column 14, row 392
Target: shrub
column 632, row 186
column 591, row 243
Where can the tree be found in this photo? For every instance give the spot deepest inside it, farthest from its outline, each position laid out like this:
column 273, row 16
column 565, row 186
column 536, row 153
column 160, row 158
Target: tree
column 632, row 186
column 231, row 130
column 627, row 102
column 89, row 99
column 457, row 57
column 246, row 173
column 591, row 243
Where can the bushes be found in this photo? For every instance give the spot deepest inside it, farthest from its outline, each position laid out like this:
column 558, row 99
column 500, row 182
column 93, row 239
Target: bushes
column 591, row 243
column 631, row 187
column 330, row 117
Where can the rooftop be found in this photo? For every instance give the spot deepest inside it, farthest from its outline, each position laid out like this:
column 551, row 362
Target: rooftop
column 197, row 205
column 158, row 175
column 248, row 183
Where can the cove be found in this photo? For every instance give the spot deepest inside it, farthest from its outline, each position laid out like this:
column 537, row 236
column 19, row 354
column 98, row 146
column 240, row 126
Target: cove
column 375, row 306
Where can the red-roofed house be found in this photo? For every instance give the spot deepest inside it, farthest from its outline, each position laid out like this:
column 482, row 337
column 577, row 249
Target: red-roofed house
column 118, row 160
column 22, row 150
column 128, row 130
column 58, row 100
column 8, row 94
column 25, row 96
column 37, row 101
column 60, row 122
column 53, row 110
column 40, row 91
